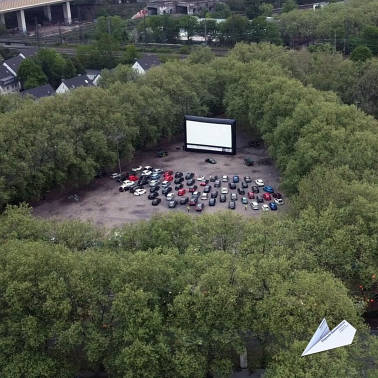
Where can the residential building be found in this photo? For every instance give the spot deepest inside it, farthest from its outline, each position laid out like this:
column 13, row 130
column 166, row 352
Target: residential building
column 39, row 92
column 145, row 63
column 75, row 82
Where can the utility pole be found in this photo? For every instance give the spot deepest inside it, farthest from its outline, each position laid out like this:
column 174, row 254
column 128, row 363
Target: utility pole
column 205, row 31
column 334, row 43
column 108, row 22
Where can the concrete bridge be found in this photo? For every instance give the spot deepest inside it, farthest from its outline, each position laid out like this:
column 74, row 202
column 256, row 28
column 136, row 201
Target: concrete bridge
column 160, row 7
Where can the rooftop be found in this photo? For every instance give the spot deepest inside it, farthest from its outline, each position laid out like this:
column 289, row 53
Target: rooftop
column 11, row 5
column 78, row 81
column 39, row 92
column 149, row 61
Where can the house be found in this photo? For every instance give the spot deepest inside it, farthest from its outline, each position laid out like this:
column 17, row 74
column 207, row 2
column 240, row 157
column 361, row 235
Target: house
column 8, row 81
column 94, row 75
column 145, row 63
column 73, row 83
column 39, row 92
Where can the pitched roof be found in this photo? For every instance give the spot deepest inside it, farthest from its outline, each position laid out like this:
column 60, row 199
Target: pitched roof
column 6, row 76
column 148, row 61
column 14, row 63
column 11, row 5
column 78, row 81
column 92, row 72
column 42, row 91
column 30, row 51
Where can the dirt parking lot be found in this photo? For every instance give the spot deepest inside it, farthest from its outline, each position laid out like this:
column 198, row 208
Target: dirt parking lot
column 103, row 204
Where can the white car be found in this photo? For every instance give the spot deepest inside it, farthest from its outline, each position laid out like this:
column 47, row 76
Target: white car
column 139, row 192
column 279, row 201
column 146, row 172
column 158, row 170
column 259, row 182
column 126, row 184
column 224, row 178
column 254, row 205
column 148, row 168
column 204, row 196
column 201, row 178
column 224, row 190
column 165, row 183
column 137, row 169
column 115, row 175
column 264, row 207
column 170, row 196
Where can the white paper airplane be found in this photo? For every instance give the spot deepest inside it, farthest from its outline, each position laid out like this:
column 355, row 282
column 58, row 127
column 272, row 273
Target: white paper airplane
column 324, row 339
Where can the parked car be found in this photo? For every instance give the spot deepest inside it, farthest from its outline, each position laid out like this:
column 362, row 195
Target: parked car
column 115, row 176
column 166, row 190
column 189, row 175
column 133, row 178
column 170, row 196
column 165, row 183
column 247, row 179
column 181, row 192
column 200, row 178
column 204, row 196
column 133, row 187
column 157, row 171
column 179, row 180
column 211, row 161
column 251, row 195
column 244, row 185
column 172, row 204
column 267, row 197
column 259, row 182
column 178, row 174
column 148, row 168
column 244, row 201
column 234, row 196
column 136, row 169
column 214, row 194
column 264, row 207
column 154, row 189
column 154, row 183
column 168, row 177
column 200, row 206
column 193, row 200
column 190, row 182
column 207, row 189
column 178, row 187
column 268, row 189
column 146, row 172
column 126, row 185
column 212, row 201
column 248, row 162
column 277, row 195
column 235, row 179
column 184, row 200
column 259, row 199
column 255, row 189
column 232, row 185
column 224, row 190
column 152, row 196
column 193, row 188
column 156, row 201
column 232, row 205
column 254, row 205
column 241, row 191
column 203, row 183
column 272, row 206
column 224, row 178
column 168, row 173
column 222, row 198
column 162, row 154
column 217, row 184
column 139, row 192
column 279, row 201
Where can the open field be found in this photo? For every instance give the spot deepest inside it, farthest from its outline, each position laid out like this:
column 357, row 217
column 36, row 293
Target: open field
column 103, row 204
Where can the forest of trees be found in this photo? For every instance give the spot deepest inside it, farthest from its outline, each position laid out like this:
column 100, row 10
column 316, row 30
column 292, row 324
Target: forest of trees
column 178, row 296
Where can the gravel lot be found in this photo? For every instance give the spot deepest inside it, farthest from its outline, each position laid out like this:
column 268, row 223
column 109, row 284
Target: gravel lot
column 102, row 203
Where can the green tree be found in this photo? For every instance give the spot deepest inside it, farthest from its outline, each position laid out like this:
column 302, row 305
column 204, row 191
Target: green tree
column 130, row 55
column 289, row 5
column 31, row 74
column 361, row 54
column 114, row 26
column 189, row 24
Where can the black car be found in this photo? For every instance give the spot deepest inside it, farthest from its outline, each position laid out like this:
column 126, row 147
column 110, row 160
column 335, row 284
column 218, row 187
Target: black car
column 166, row 190
column 189, row 176
column 179, row 180
column 217, row 184
column 193, row 200
column 143, row 181
column 212, row 201
column 277, row 195
column 178, row 187
column 232, row 185
column 255, row 189
column 241, row 191
column 153, row 195
column 172, row 204
column 214, row 194
column 223, row 198
column 178, row 174
column 156, row 201
column 244, row 185
column 211, row 161
column 184, row 200
column 259, row 199
column 207, row 189
column 190, row 182
column 134, row 188
column 232, row 205
column 154, row 189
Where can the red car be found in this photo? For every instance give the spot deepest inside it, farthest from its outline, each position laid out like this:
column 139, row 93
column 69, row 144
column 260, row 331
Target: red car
column 168, row 173
column 192, row 189
column 181, row 192
column 267, row 197
column 251, row 195
column 133, row 178
column 203, row 183
column 168, row 178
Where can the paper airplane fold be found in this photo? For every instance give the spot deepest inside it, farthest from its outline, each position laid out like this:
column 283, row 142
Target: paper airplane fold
column 324, row 339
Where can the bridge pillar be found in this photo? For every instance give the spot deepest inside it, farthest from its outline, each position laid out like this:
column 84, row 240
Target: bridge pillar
column 2, row 18
column 47, row 12
column 21, row 21
column 67, row 13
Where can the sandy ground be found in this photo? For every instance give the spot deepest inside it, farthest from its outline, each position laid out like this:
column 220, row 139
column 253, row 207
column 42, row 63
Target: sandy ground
column 103, row 204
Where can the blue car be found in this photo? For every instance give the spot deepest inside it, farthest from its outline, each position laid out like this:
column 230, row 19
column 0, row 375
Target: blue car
column 268, row 189
column 272, row 206
column 235, row 179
